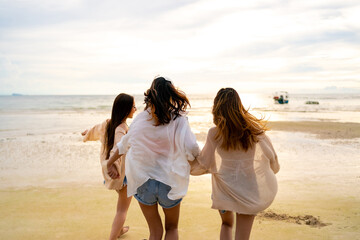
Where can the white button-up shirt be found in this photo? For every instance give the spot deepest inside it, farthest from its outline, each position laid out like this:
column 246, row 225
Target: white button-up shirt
column 159, row 152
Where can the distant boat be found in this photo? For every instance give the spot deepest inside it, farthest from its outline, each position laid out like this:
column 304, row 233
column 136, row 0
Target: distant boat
column 16, row 94
column 281, row 97
column 311, row 102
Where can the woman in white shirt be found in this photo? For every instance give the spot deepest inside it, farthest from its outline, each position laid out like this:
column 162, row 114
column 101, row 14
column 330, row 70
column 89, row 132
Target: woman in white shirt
column 158, row 147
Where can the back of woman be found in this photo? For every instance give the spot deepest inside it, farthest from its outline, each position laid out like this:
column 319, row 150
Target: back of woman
column 160, row 153
column 110, row 133
column 243, row 178
column 158, row 147
column 247, row 175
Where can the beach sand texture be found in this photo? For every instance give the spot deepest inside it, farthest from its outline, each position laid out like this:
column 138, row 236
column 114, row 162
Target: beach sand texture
column 51, row 189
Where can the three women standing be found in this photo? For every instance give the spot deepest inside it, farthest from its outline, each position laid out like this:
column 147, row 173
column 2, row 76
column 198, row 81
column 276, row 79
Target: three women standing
column 160, row 143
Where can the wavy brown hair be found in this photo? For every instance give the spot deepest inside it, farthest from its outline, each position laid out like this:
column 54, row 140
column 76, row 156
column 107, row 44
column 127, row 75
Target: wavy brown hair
column 165, row 101
column 237, row 128
column 121, row 109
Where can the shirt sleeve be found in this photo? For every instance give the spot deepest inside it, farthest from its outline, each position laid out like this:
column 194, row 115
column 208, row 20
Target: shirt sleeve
column 119, row 133
column 123, row 145
column 274, row 163
column 192, row 149
column 97, row 132
column 205, row 162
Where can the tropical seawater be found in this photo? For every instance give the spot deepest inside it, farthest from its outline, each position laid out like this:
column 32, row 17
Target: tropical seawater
column 29, row 115
column 41, row 145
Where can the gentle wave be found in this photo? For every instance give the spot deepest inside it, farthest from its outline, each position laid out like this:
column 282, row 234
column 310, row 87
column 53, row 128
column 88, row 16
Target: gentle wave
column 59, row 113
column 307, row 110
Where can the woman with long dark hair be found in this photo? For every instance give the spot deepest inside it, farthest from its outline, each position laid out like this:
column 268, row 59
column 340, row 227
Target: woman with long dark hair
column 158, row 147
column 243, row 179
column 110, row 133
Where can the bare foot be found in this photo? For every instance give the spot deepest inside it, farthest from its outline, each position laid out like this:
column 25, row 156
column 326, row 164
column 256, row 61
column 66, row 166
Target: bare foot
column 123, row 231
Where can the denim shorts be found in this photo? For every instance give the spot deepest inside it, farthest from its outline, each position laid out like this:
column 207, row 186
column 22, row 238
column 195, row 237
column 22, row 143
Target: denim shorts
column 125, row 182
column 153, row 191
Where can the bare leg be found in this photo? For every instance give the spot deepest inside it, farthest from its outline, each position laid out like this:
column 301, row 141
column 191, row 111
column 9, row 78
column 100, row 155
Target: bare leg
column 153, row 220
column 171, row 222
column 121, row 211
column 226, row 226
column 243, row 226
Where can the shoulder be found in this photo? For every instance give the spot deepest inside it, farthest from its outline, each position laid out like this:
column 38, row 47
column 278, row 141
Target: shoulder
column 141, row 121
column 211, row 135
column 264, row 140
column 212, row 132
column 263, row 137
column 102, row 126
column 144, row 115
column 181, row 118
column 105, row 123
column 122, row 128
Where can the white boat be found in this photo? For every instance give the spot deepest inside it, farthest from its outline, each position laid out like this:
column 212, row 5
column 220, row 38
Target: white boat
column 281, row 97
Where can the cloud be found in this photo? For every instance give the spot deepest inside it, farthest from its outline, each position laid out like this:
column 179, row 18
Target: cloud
column 47, row 12
column 91, row 46
column 350, row 37
column 305, row 68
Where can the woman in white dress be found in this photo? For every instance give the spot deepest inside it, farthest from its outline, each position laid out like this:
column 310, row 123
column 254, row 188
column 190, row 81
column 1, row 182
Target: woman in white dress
column 243, row 177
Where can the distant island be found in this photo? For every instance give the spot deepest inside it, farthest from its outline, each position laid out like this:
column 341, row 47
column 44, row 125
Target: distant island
column 16, row 94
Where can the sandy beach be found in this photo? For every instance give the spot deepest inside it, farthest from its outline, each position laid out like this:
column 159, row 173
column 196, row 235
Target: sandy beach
column 86, row 213
column 318, row 196
column 65, row 65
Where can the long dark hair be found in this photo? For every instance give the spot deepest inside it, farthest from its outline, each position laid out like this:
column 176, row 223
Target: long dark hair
column 165, row 101
column 121, row 108
column 237, row 128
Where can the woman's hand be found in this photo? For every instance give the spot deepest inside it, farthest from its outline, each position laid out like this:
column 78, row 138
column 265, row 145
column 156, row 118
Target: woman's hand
column 112, row 171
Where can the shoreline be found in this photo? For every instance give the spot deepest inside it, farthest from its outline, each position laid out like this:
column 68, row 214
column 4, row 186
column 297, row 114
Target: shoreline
column 323, row 129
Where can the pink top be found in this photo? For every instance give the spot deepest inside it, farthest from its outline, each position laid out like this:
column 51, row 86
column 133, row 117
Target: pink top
column 243, row 182
column 98, row 133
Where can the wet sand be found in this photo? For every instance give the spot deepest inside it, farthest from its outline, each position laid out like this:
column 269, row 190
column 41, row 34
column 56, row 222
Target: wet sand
column 323, row 130
column 86, row 213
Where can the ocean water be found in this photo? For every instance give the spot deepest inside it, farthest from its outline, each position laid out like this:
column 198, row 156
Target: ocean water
column 31, row 115
column 41, row 145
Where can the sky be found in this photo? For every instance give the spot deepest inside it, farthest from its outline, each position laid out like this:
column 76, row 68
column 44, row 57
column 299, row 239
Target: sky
column 112, row 46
